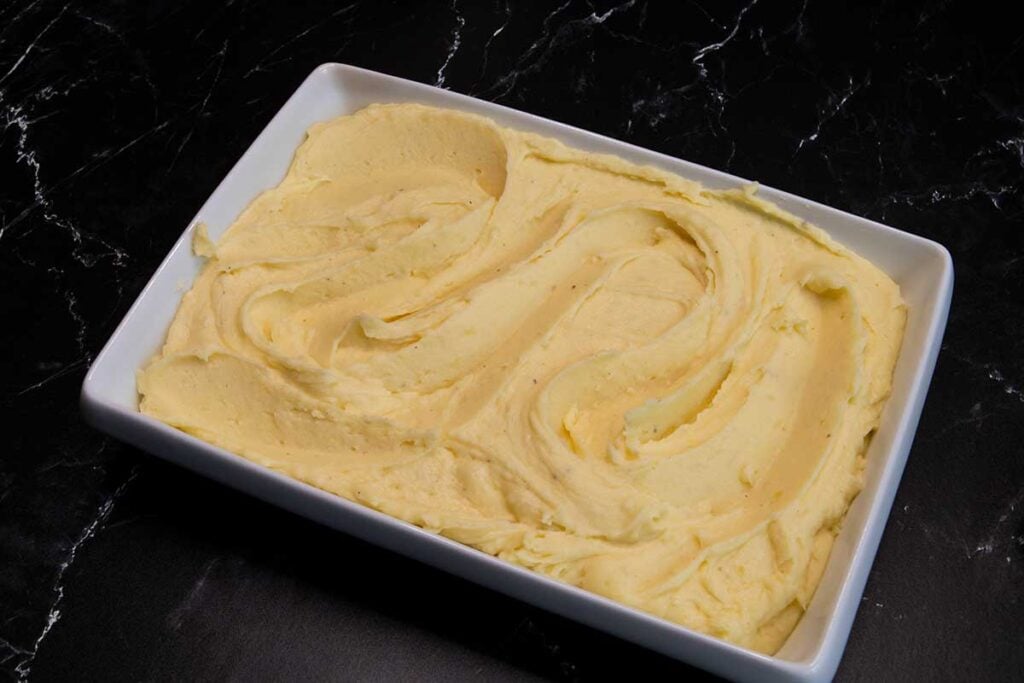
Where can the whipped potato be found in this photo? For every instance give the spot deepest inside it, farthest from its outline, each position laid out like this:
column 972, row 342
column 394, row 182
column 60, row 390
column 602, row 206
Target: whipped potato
column 600, row 371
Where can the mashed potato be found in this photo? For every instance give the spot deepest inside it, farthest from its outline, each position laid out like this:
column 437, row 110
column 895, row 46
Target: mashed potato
column 600, row 371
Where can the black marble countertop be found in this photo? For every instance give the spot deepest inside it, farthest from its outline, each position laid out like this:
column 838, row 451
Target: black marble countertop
column 119, row 118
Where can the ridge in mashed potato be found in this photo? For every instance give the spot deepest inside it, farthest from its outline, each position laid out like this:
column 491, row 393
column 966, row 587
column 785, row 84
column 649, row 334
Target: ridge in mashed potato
column 600, row 371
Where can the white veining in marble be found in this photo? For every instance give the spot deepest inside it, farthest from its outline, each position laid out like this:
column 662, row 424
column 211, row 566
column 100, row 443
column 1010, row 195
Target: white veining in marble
column 453, row 47
column 24, row 666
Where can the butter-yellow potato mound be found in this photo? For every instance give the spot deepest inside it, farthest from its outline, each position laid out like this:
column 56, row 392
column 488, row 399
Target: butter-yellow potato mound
column 597, row 370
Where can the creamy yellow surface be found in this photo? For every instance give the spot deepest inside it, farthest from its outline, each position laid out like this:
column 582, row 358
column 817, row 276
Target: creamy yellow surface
column 597, row 370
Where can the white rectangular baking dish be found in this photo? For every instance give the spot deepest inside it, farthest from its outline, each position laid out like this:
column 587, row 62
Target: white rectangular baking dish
column 922, row 268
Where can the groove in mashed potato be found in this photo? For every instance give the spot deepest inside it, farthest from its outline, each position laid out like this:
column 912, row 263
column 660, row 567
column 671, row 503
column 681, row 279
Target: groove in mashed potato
column 599, row 371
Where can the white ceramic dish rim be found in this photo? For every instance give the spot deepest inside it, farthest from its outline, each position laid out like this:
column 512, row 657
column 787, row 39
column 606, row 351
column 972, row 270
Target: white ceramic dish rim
column 106, row 409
